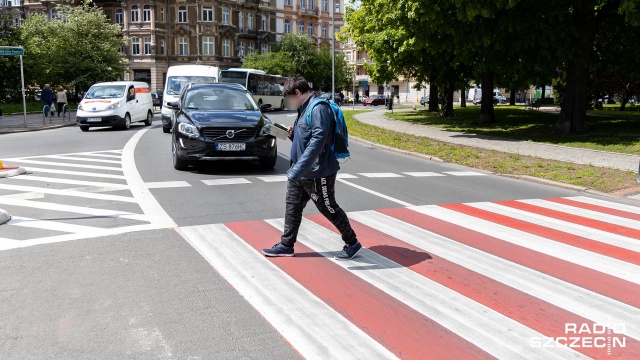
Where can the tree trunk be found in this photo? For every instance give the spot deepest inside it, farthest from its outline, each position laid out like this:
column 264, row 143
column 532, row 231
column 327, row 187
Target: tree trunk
column 433, row 92
column 512, row 97
column 543, row 95
column 447, row 107
column 624, row 101
column 463, row 97
column 487, row 115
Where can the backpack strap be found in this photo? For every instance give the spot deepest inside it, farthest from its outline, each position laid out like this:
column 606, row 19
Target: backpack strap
column 309, row 110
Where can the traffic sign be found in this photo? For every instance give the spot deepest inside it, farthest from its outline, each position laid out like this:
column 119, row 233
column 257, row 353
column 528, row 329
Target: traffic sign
column 11, row 51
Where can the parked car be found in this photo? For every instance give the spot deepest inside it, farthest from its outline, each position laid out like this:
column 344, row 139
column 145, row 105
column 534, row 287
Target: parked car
column 497, row 96
column 425, row 100
column 375, row 100
column 156, row 99
column 117, row 104
column 220, row 121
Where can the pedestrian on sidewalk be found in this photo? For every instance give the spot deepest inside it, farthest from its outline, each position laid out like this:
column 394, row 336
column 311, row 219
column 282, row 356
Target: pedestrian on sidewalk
column 47, row 98
column 61, row 99
column 313, row 171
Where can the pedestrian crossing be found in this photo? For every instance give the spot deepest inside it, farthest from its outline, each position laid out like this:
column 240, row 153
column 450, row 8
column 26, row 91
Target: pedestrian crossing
column 520, row 279
column 72, row 196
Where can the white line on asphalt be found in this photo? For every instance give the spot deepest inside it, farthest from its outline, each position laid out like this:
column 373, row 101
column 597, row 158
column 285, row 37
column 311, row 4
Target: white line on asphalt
column 464, row 173
column 51, row 225
column 149, row 205
column 67, row 193
column 99, row 155
column 423, row 174
column 72, row 182
column 297, row 314
column 72, row 209
column 346, row 176
column 231, row 181
column 38, row 156
column 612, row 219
column 381, row 175
column 403, row 203
column 611, row 205
column 74, row 158
column 273, row 178
column 167, row 184
column 50, row 163
column 76, row 173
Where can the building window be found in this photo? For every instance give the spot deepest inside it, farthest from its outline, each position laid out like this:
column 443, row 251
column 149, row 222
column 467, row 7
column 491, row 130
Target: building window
column 207, row 13
column 146, row 13
column 135, row 46
column 250, row 20
column 288, row 2
column 337, row 7
column 147, row 46
column 119, row 17
column 348, row 55
column 287, row 26
column 241, row 49
column 324, row 30
column 54, row 14
column 310, row 4
column 226, row 47
column 162, row 14
column 207, row 45
column 265, row 48
column 134, row 13
column 302, row 4
column 225, row 15
column 310, row 29
column 161, row 47
column 251, row 48
column 241, row 20
column 265, row 23
column 301, row 26
column 182, row 14
column 183, row 47
column 325, row 5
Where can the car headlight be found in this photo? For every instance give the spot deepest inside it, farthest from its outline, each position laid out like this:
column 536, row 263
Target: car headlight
column 266, row 129
column 80, row 107
column 114, row 105
column 188, row 129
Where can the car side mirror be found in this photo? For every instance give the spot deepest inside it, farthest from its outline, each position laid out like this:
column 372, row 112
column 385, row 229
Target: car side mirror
column 264, row 107
column 173, row 105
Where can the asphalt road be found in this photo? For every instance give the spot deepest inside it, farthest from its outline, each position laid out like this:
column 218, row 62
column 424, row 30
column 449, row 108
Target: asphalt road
column 113, row 254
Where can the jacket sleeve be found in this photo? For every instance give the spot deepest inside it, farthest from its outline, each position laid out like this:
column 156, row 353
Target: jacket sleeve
column 321, row 118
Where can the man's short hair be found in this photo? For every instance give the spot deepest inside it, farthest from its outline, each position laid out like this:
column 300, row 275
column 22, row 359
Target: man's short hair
column 295, row 83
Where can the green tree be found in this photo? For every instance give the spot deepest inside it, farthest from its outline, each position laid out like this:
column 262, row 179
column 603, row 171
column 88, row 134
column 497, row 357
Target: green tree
column 79, row 49
column 9, row 65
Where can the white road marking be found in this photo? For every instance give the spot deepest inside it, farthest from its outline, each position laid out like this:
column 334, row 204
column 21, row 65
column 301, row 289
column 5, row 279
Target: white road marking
column 611, row 205
column 51, row 225
column 403, row 203
column 65, row 154
column 76, row 173
column 273, row 178
column 611, row 219
column 75, row 158
column 67, row 193
column 92, row 155
column 167, row 184
column 73, row 209
column 423, row 174
column 345, row 176
column 464, row 173
column 297, row 314
column 147, row 202
column 72, row 182
column 231, row 181
column 51, row 163
column 381, row 175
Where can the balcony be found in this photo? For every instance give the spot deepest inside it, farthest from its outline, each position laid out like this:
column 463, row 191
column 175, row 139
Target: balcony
column 249, row 3
column 247, row 31
column 309, row 12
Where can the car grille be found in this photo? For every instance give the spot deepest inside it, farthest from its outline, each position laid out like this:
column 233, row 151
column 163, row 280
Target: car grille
column 220, row 134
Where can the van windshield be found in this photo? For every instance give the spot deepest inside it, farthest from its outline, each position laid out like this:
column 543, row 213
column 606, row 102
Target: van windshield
column 176, row 83
column 105, row 92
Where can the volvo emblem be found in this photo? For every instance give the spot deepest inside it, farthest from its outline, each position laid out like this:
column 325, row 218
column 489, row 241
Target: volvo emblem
column 231, row 134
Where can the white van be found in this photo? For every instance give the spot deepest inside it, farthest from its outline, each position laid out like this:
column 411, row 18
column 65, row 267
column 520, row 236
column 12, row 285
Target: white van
column 117, row 104
column 177, row 77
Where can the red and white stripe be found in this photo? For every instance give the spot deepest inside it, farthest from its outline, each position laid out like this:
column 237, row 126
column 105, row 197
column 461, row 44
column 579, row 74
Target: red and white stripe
column 457, row 281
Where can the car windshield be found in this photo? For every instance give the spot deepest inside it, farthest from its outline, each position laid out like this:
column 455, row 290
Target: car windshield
column 105, row 92
column 219, row 99
column 176, row 83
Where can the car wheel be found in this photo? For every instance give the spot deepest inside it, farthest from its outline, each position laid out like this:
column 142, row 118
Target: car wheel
column 127, row 122
column 166, row 130
column 149, row 119
column 84, row 128
column 178, row 164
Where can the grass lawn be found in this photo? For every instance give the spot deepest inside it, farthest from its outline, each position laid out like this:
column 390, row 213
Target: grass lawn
column 17, row 108
column 596, row 178
column 617, row 133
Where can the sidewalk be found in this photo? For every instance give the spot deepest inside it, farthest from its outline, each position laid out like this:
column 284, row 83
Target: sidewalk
column 15, row 123
column 547, row 151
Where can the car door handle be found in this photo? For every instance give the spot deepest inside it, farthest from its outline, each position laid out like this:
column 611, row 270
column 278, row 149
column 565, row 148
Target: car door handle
column 136, row 101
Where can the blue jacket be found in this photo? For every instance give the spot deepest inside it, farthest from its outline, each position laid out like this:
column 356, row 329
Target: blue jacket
column 46, row 96
column 312, row 157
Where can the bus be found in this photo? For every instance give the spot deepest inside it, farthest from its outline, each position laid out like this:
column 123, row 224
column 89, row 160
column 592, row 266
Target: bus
column 265, row 88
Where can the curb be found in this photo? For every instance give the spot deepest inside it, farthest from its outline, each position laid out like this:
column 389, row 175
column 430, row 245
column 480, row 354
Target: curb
column 4, row 217
column 11, row 171
column 21, row 130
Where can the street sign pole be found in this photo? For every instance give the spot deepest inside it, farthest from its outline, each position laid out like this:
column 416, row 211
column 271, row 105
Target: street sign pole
column 17, row 51
column 333, row 51
column 24, row 100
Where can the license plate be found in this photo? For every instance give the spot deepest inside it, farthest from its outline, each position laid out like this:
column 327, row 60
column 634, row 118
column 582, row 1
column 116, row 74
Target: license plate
column 94, row 119
column 231, row 146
